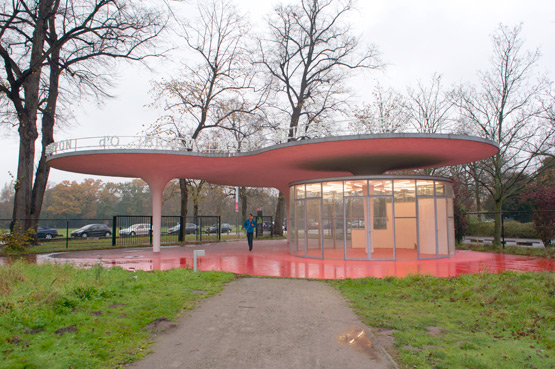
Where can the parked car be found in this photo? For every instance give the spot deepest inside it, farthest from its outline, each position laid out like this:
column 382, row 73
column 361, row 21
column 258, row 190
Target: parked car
column 92, row 230
column 226, row 228
column 46, row 233
column 140, row 229
column 190, row 228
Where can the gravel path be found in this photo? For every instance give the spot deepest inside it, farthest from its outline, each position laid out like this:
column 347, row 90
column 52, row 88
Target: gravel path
column 269, row 323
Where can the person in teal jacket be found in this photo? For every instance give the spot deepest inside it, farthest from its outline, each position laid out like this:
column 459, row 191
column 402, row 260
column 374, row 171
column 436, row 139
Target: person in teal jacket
column 250, row 226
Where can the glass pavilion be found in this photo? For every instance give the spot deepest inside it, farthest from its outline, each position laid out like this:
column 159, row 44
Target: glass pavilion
column 372, row 218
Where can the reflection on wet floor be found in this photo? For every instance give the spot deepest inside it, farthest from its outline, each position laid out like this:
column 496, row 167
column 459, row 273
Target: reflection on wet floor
column 272, row 258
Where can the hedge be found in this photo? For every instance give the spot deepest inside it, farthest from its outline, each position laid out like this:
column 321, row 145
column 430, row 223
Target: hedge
column 513, row 229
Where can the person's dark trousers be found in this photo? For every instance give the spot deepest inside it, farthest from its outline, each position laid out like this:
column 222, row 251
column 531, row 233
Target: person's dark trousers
column 249, row 238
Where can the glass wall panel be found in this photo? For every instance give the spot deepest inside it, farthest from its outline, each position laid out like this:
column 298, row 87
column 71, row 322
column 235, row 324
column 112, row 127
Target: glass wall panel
column 442, row 227
column 405, row 209
column 404, row 191
column 333, row 199
column 300, row 191
column 449, row 189
column 427, row 227
column 382, row 228
column 300, row 227
column 292, row 226
column 356, row 188
column 332, row 189
column 440, row 188
column 405, row 239
column 451, row 236
column 355, row 216
column 313, row 223
column 381, row 187
column 451, row 223
column 425, row 188
column 334, row 238
column 313, row 190
column 332, row 220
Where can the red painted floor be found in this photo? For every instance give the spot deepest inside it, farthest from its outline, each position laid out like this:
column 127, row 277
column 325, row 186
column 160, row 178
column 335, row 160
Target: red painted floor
column 272, row 258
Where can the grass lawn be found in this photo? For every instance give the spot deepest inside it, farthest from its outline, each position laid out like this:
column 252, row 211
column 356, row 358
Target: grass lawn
column 58, row 316
column 483, row 320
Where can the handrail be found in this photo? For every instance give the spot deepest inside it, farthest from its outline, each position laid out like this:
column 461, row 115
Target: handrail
column 220, row 147
column 131, row 142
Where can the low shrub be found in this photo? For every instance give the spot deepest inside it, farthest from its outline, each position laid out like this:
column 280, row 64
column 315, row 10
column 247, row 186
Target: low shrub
column 513, row 229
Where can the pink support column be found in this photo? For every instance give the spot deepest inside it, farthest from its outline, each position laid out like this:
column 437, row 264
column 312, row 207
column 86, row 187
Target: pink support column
column 157, row 185
column 286, row 194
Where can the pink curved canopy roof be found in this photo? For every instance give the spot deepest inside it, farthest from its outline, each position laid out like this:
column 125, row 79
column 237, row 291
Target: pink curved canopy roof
column 279, row 165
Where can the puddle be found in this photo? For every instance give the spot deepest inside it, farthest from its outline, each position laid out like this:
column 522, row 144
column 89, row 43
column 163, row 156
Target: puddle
column 356, row 337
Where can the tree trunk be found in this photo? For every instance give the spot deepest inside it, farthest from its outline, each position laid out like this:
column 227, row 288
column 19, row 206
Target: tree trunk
column 244, row 202
column 48, row 121
column 23, row 185
column 477, row 199
column 280, row 214
column 196, row 198
column 27, row 116
column 498, row 208
column 184, row 190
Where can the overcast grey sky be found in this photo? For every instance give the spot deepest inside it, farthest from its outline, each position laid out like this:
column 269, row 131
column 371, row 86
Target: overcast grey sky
column 416, row 39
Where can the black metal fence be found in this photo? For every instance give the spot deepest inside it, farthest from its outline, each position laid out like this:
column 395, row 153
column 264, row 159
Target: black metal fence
column 74, row 231
column 130, row 230
column 126, row 230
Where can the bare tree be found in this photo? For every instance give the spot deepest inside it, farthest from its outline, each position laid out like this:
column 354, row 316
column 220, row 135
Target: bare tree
column 384, row 114
column 46, row 43
column 509, row 108
column 428, row 107
column 210, row 92
column 309, row 54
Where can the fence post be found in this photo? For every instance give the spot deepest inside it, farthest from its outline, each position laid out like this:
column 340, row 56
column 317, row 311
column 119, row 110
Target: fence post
column 114, row 227
column 67, row 234
column 219, row 228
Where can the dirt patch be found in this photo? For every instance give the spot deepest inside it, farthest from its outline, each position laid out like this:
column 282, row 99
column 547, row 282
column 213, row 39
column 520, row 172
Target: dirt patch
column 14, row 340
column 117, row 306
column 34, row 331
column 65, row 330
column 434, row 331
column 384, row 337
column 200, row 292
column 96, row 313
column 161, row 324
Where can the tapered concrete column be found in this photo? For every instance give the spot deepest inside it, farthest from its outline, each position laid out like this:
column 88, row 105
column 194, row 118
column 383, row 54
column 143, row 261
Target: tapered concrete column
column 157, row 185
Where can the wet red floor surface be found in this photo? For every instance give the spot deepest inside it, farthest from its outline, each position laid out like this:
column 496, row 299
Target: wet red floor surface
column 272, row 258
